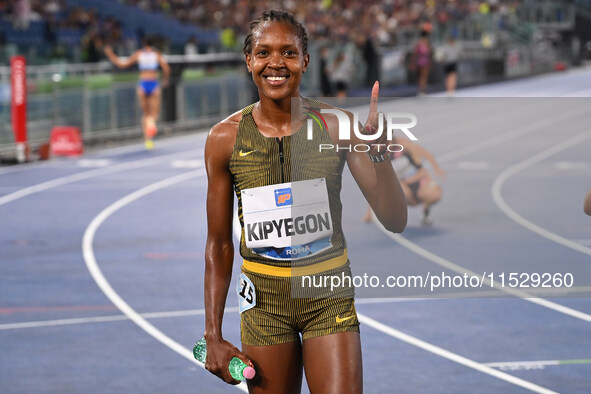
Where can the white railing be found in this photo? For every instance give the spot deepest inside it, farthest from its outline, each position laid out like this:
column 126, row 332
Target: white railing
column 102, row 101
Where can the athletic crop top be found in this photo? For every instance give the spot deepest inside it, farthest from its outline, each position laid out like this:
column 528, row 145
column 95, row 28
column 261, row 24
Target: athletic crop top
column 405, row 164
column 288, row 194
column 148, row 60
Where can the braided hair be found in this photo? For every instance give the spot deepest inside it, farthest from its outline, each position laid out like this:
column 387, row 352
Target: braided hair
column 276, row 16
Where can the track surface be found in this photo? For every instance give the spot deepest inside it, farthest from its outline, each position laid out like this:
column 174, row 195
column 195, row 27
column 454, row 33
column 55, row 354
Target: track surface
column 102, row 258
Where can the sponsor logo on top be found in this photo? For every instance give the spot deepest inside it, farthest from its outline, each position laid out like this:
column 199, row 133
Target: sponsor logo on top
column 283, row 197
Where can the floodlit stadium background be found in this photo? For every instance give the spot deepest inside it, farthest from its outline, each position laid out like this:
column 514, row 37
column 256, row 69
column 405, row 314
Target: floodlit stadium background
column 101, row 265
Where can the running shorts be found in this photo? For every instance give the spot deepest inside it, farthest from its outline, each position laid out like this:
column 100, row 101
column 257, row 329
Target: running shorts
column 279, row 317
column 148, row 85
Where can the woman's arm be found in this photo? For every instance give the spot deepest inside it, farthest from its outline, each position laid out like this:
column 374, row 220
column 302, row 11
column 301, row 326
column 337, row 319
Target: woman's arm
column 118, row 62
column 219, row 250
column 418, row 150
column 165, row 69
column 378, row 181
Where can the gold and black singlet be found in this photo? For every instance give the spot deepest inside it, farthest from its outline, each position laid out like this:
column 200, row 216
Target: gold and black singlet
column 288, row 190
column 288, row 199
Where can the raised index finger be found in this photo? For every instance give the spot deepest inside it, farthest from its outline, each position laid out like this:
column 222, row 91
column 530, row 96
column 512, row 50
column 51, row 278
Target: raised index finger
column 373, row 104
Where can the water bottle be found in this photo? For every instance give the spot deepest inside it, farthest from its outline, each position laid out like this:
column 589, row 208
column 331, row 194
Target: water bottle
column 238, row 369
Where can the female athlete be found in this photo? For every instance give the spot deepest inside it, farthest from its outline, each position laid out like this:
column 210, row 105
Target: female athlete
column 421, row 60
column 418, row 185
column 290, row 213
column 148, row 59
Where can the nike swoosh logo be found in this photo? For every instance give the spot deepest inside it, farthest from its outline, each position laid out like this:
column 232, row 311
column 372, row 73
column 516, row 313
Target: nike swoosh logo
column 241, row 153
column 340, row 320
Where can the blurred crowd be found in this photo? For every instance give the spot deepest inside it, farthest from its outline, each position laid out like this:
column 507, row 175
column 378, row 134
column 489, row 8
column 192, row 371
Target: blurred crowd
column 55, row 12
column 335, row 20
column 346, row 33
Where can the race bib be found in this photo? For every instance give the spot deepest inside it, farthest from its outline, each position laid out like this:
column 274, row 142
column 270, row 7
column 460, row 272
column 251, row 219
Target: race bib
column 287, row 221
column 247, row 296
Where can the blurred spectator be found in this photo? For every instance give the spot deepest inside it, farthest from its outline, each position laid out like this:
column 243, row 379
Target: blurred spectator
column 52, row 7
column 192, row 46
column 92, row 44
column 23, row 14
column 325, row 84
column 370, row 55
column 450, row 55
column 341, row 72
column 228, row 38
column 370, row 23
column 51, row 30
column 421, row 61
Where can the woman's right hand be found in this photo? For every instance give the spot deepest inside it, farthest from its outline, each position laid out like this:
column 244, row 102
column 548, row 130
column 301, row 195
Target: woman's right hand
column 219, row 354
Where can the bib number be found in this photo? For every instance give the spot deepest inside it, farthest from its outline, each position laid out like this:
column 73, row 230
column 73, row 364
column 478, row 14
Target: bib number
column 247, row 297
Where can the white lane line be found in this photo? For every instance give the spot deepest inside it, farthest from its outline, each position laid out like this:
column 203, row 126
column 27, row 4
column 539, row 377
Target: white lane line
column 459, row 269
column 528, row 365
column 187, row 164
column 104, row 319
column 169, row 314
column 572, row 165
column 472, row 165
column 197, row 312
column 135, row 148
column 509, row 136
column 507, row 210
column 94, row 163
column 435, row 120
column 104, row 285
column 476, row 120
column 451, row 356
column 27, row 191
column 496, row 285
column 62, row 322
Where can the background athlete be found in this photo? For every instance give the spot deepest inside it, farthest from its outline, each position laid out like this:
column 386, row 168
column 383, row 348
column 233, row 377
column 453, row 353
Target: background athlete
column 421, row 61
column 330, row 352
column 418, row 185
column 587, row 203
column 148, row 59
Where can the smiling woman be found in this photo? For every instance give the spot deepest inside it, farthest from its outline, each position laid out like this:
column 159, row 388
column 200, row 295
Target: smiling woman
column 276, row 55
column 290, row 215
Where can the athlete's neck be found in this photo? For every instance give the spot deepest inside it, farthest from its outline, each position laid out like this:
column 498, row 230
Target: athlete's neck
column 273, row 118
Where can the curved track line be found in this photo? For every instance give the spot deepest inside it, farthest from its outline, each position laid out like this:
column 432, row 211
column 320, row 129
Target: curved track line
column 517, row 218
column 459, row 269
column 103, row 284
column 94, row 154
column 452, row 356
column 104, row 319
column 496, row 285
column 27, row 191
column 530, row 128
column 128, row 311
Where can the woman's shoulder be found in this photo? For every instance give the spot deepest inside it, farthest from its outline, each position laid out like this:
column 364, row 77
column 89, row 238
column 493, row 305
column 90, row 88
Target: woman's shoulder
column 228, row 125
column 221, row 138
column 226, row 130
